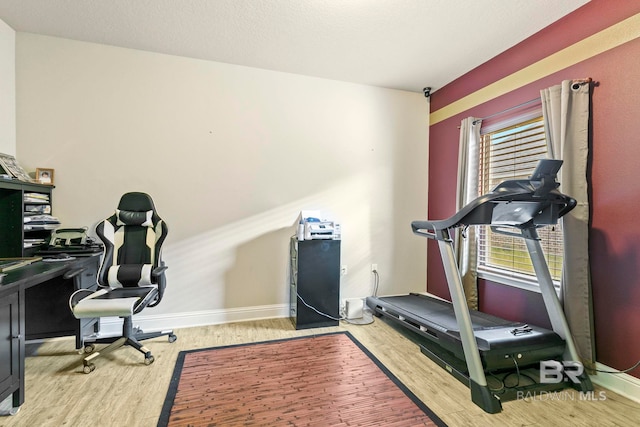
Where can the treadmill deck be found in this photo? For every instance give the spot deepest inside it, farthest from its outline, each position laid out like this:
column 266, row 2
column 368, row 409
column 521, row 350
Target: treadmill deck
column 502, row 343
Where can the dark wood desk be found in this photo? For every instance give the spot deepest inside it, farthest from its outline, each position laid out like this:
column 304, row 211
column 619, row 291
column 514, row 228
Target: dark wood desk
column 34, row 304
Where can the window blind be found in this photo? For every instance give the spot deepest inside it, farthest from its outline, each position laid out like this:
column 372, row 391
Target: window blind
column 513, row 153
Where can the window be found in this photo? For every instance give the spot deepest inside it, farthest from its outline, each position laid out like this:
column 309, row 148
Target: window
column 512, row 153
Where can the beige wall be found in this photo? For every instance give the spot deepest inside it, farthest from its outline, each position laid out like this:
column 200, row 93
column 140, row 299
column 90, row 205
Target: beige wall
column 7, row 90
column 231, row 155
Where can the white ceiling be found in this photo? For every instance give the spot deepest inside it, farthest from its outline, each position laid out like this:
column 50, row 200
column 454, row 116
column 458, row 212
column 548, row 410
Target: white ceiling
column 401, row 44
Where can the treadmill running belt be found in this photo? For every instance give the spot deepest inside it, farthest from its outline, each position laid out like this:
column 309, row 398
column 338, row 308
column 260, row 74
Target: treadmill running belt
column 440, row 313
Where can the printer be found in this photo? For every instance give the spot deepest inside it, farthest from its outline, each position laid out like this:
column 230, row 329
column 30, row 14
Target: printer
column 312, row 227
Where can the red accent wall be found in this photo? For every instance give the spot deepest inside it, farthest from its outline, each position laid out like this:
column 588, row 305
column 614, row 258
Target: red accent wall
column 614, row 175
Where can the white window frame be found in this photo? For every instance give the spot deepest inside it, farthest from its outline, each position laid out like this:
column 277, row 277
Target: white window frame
column 505, row 276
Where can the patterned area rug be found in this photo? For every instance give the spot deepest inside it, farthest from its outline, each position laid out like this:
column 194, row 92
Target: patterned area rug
column 323, row 380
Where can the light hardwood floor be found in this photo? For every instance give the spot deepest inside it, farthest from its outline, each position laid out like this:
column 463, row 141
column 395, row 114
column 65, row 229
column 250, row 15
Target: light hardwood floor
column 122, row 391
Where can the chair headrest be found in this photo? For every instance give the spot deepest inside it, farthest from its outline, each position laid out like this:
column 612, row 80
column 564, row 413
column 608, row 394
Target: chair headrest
column 136, row 209
column 136, row 202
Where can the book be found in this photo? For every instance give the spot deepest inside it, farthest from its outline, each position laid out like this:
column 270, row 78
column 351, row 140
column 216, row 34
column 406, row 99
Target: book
column 9, row 166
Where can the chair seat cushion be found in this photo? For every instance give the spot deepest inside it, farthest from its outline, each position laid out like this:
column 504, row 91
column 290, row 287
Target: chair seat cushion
column 121, row 302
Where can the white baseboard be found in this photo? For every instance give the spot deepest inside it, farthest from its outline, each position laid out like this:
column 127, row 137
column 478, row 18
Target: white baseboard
column 113, row 325
column 623, row 384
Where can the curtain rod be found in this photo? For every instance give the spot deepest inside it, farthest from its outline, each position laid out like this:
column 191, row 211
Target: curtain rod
column 524, row 104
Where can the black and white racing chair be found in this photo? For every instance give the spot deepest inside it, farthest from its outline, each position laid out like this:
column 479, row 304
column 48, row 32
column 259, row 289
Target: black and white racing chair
column 131, row 277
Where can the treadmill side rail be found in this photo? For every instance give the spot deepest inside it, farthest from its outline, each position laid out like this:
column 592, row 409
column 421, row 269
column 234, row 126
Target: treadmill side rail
column 552, row 303
column 459, row 302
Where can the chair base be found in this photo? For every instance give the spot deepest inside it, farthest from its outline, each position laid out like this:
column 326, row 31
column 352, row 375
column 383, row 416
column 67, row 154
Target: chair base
column 128, row 338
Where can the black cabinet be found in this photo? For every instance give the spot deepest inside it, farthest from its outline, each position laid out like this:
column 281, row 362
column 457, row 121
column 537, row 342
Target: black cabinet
column 11, row 348
column 315, row 283
column 34, row 304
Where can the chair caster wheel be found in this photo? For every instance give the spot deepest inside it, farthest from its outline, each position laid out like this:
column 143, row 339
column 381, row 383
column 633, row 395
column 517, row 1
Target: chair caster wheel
column 89, row 348
column 173, row 338
column 87, row 369
column 149, row 360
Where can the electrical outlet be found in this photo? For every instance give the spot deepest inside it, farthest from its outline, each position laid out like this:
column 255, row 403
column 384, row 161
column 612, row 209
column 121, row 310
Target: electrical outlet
column 344, row 270
column 374, row 268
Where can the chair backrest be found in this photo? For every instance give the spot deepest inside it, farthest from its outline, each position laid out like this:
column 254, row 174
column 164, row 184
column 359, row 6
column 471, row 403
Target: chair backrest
column 132, row 238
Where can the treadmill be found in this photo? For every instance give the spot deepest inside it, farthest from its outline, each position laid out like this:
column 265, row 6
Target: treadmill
column 468, row 343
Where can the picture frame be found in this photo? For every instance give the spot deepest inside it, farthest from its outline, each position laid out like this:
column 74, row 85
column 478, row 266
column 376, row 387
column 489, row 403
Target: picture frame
column 44, row 175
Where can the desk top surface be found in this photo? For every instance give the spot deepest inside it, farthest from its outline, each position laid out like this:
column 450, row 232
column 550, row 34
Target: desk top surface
column 40, row 271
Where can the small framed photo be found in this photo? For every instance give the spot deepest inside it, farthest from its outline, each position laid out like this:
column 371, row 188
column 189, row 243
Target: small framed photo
column 44, row 176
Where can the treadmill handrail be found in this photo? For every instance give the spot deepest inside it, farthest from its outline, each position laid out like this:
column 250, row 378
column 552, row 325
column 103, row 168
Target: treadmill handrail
column 539, row 202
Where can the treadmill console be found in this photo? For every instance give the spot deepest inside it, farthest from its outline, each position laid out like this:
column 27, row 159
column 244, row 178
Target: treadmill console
column 540, row 183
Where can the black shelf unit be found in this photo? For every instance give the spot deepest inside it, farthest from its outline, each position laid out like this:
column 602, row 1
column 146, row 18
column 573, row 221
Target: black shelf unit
column 12, row 212
column 314, row 280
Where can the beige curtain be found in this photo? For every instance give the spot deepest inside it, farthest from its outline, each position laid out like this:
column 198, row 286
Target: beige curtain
column 566, row 110
column 466, row 244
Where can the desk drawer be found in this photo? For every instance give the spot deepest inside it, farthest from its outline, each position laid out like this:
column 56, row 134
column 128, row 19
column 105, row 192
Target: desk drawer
column 89, row 280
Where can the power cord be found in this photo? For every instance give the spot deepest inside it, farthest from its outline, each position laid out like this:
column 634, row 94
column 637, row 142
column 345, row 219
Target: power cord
column 366, row 319
column 517, row 370
column 367, row 315
column 376, row 282
column 316, row 310
column 620, row 372
column 502, row 383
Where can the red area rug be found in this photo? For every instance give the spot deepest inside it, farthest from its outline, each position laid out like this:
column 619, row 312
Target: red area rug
column 324, row 380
